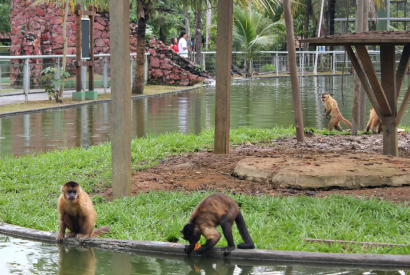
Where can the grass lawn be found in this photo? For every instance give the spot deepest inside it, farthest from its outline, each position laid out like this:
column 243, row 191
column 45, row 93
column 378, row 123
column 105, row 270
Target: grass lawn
column 30, row 186
column 32, row 105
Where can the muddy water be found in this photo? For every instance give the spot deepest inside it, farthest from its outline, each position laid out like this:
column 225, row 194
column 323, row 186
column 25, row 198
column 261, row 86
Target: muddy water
column 257, row 103
column 19, row 256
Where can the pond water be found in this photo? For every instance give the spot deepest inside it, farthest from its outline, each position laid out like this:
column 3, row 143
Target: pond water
column 258, row 103
column 19, row 256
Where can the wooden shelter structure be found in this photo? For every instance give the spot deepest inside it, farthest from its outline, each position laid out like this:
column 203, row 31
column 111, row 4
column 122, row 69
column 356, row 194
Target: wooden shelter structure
column 382, row 94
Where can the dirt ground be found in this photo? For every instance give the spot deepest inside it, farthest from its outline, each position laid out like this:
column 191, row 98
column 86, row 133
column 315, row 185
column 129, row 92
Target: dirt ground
column 205, row 171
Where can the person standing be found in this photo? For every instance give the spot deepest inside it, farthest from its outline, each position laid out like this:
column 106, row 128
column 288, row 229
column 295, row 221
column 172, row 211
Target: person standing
column 174, row 44
column 183, row 45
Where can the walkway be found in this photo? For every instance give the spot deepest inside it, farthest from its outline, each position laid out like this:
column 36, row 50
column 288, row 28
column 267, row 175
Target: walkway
column 37, row 95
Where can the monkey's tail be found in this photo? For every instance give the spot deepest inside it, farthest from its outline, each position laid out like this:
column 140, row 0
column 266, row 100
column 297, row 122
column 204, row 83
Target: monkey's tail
column 101, row 231
column 248, row 243
column 346, row 122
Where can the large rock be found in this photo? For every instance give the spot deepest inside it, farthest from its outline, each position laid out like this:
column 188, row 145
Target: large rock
column 327, row 171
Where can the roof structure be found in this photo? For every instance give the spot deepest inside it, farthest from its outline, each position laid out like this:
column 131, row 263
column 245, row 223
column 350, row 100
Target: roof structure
column 364, row 38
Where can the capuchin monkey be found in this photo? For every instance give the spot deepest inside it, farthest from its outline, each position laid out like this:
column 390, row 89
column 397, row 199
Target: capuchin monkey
column 332, row 109
column 216, row 209
column 76, row 212
column 374, row 122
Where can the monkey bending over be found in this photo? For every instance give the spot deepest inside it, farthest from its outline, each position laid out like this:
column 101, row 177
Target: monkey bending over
column 374, row 122
column 332, row 109
column 216, row 209
column 76, row 212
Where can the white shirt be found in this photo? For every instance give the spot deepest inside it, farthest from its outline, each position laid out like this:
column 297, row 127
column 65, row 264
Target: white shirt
column 181, row 45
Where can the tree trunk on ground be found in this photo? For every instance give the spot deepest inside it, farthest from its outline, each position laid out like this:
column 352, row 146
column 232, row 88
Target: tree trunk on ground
column 188, row 30
column 290, row 38
column 208, row 24
column 138, row 84
column 59, row 96
column 356, row 82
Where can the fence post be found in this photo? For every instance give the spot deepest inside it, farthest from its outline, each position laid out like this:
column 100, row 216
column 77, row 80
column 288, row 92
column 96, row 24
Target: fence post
column 203, row 60
column 26, row 79
column 303, row 63
column 84, row 77
column 145, row 69
column 57, row 74
column 277, row 64
column 0, row 78
column 105, row 74
column 334, row 62
column 132, row 79
column 251, row 66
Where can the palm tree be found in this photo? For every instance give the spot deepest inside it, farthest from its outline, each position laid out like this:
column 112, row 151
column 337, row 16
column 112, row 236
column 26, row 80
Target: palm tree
column 99, row 4
column 145, row 9
column 253, row 30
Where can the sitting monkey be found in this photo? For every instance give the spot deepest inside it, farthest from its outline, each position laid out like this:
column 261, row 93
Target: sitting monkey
column 374, row 122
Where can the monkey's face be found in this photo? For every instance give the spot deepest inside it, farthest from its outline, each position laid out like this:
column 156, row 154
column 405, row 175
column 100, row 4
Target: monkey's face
column 325, row 97
column 190, row 234
column 71, row 194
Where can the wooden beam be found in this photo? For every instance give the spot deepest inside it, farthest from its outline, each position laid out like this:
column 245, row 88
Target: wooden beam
column 91, row 67
column 403, row 107
column 373, row 80
column 82, row 12
column 120, row 98
column 223, row 77
column 83, row 63
column 401, row 70
column 297, row 106
column 363, row 80
column 78, row 49
column 388, row 81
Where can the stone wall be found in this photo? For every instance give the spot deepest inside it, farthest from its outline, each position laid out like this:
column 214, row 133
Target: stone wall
column 166, row 67
column 39, row 31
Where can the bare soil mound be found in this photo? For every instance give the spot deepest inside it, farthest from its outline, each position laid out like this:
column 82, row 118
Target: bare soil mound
column 205, row 171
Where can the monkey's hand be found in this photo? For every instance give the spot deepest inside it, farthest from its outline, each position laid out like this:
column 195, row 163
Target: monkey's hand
column 70, row 235
column 227, row 250
column 188, row 249
column 60, row 238
column 81, row 237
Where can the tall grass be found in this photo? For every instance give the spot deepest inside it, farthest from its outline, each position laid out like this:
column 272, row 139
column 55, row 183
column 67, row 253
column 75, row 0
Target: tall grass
column 30, row 186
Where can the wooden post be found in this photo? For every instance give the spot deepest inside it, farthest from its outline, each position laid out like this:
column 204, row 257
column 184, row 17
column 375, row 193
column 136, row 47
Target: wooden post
column 120, row 98
column 388, row 82
column 78, row 46
column 223, row 77
column 91, row 66
column 290, row 38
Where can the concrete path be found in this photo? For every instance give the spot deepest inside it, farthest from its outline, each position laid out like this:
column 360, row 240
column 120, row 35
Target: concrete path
column 37, row 94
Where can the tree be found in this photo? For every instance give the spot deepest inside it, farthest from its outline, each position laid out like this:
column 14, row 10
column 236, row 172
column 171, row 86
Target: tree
column 198, row 33
column 65, row 5
column 145, row 8
column 253, row 30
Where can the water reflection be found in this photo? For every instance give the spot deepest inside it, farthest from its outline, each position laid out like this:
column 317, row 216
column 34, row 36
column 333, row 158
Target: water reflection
column 19, row 256
column 262, row 103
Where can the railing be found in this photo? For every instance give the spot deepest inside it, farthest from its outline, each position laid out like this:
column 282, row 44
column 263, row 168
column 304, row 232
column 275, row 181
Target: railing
column 24, row 77
column 276, row 62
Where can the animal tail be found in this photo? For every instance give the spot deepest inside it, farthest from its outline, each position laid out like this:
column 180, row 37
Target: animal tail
column 248, row 243
column 346, row 122
column 101, row 231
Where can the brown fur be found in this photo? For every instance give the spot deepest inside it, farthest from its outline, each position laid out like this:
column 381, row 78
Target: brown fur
column 76, row 212
column 374, row 122
column 332, row 109
column 214, row 210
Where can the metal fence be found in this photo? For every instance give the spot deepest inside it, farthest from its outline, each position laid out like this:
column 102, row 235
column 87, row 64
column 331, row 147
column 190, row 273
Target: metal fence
column 276, row 62
column 20, row 76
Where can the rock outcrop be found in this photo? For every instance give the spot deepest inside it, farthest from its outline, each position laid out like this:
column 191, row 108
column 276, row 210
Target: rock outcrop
column 166, row 67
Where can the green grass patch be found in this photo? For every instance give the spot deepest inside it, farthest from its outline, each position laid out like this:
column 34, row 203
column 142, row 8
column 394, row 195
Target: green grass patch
column 30, row 186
